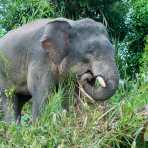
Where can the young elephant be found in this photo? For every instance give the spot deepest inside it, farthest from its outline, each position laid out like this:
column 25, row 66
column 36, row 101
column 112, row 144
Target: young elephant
column 35, row 55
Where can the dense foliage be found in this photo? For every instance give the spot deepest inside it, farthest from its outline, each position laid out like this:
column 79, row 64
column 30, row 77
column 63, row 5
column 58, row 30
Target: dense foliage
column 137, row 22
column 17, row 12
column 122, row 123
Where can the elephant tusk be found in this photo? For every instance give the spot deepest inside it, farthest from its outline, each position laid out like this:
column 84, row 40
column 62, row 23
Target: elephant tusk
column 101, row 81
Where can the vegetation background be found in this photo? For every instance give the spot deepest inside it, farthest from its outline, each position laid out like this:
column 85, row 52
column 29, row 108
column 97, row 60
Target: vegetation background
column 121, row 122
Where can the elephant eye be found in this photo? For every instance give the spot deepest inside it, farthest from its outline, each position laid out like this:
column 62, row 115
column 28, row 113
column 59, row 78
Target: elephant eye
column 85, row 60
column 90, row 51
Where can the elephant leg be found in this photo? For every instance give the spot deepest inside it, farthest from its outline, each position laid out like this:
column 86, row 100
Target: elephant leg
column 40, row 82
column 18, row 103
column 17, row 106
column 38, row 101
column 5, row 107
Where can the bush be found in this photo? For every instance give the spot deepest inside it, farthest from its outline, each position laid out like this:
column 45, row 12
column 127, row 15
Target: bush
column 137, row 22
column 144, row 61
column 17, row 12
column 2, row 32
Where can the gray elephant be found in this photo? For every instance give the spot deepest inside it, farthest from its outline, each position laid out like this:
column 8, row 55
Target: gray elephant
column 34, row 56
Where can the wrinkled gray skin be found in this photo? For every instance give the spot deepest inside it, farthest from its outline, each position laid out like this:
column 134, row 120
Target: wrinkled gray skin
column 40, row 52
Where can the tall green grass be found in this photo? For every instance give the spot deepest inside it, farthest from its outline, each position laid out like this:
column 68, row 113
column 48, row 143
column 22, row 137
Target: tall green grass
column 117, row 123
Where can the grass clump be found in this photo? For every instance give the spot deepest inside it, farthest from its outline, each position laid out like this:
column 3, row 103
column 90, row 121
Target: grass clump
column 117, row 123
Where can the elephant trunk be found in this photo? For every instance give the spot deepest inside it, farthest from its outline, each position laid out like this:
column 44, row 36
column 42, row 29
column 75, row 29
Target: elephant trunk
column 108, row 79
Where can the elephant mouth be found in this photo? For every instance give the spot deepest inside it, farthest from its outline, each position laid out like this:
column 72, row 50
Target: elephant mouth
column 97, row 87
column 95, row 82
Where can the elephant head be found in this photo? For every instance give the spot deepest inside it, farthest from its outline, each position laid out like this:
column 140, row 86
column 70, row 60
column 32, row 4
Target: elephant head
column 83, row 47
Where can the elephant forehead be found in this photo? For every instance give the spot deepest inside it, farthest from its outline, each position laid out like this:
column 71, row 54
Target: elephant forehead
column 85, row 33
column 89, row 25
column 89, row 44
column 89, row 36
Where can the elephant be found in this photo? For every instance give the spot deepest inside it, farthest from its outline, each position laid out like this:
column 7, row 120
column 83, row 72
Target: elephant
column 34, row 56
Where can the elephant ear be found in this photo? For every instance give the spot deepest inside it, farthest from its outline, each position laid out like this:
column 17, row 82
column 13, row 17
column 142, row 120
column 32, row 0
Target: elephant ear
column 55, row 40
